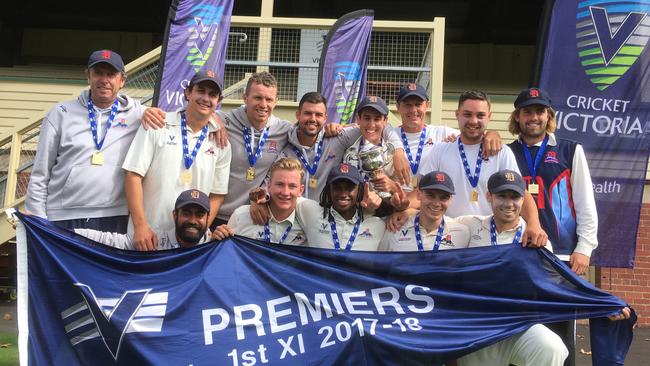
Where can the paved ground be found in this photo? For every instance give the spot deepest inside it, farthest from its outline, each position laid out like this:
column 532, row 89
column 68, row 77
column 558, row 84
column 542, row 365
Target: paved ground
column 639, row 354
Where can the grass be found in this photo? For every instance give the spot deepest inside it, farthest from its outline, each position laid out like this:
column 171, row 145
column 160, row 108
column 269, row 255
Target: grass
column 8, row 349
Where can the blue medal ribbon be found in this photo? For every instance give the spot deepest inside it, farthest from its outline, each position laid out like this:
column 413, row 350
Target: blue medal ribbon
column 493, row 233
column 187, row 157
column 93, row 122
column 415, row 164
column 473, row 180
column 418, row 236
column 335, row 235
column 252, row 158
column 311, row 169
column 267, row 233
column 532, row 168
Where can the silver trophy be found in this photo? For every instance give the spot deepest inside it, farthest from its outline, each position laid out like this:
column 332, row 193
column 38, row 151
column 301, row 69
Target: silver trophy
column 373, row 159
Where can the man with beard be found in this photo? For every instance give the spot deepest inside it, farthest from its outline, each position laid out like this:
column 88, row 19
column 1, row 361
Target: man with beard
column 429, row 228
column 285, row 186
column 558, row 177
column 185, row 154
column 419, row 138
column 470, row 171
column 190, row 216
column 337, row 221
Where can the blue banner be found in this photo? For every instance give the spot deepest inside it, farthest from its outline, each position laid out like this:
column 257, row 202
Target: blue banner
column 344, row 65
column 243, row 302
column 196, row 38
column 596, row 69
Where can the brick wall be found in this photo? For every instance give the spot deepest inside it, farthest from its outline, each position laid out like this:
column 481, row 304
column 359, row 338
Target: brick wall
column 633, row 285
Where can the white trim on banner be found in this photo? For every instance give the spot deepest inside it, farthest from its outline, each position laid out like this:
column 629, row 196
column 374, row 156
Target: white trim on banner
column 23, row 298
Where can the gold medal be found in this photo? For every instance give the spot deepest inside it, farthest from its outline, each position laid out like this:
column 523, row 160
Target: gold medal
column 250, row 174
column 186, row 177
column 414, row 181
column 312, row 182
column 97, row 158
column 474, row 197
column 533, row 188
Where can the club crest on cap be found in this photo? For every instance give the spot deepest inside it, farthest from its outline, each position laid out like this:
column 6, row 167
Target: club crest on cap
column 345, row 168
column 440, row 177
column 412, row 86
column 106, row 54
column 194, row 194
column 210, row 73
column 534, row 93
column 509, row 177
column 372, row 99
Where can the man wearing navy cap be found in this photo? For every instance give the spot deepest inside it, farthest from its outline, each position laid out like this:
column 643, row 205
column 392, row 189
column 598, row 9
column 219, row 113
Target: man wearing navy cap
column 77, row 180
column 558, row 177
column 338, row 221
column 190, row 216
column 429, row 228
column 184, row 155
column 372, row 118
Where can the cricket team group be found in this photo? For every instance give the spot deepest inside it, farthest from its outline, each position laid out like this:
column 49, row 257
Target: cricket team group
column 138, row 178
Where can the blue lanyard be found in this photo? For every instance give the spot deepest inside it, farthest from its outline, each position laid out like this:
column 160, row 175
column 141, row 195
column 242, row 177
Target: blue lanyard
column 493, row 233
column 93, row 122
column 418, row 236
column 532, row 168
column 335, row 234
column 473, row 180
column 252, row 159
column 267, row 233
column 187, row 157
column 311, row 169
column 415, row 164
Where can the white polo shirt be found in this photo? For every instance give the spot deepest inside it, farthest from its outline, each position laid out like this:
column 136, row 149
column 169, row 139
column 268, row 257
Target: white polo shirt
column 166, row 239
column 157, row 155
column 454, row 236
column 433, row 136
column 319, row 234
column 479, row 231
column 242, row 224
column 446, row 157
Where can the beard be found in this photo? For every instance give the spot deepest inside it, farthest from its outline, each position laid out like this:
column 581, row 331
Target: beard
column 190, row 237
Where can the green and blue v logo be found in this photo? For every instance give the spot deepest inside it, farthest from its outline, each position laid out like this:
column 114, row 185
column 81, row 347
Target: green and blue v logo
column 204, row 28
column 611, row 36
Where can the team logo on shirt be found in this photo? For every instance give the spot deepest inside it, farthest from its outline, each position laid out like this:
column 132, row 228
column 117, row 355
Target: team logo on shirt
column 405, row 232
column 298, row 239
column 551, row 157
column 120, row 123
column 273, row 147
column 429, row 141
column 260, row 235
column 446, row 241
column 366, row 234
column 210, row 150
column 171, row 140
column 330, row 157
column 324, row 228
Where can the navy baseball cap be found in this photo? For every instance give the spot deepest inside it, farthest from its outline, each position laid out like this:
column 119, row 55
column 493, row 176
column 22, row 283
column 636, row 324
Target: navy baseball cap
column 375, row 103
column 106, row 56
column 206, row 75
column 506, row 180
column 193, row 197
column 437, row 180
column 532, row 96
column 412, row 89
column 345, row 171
